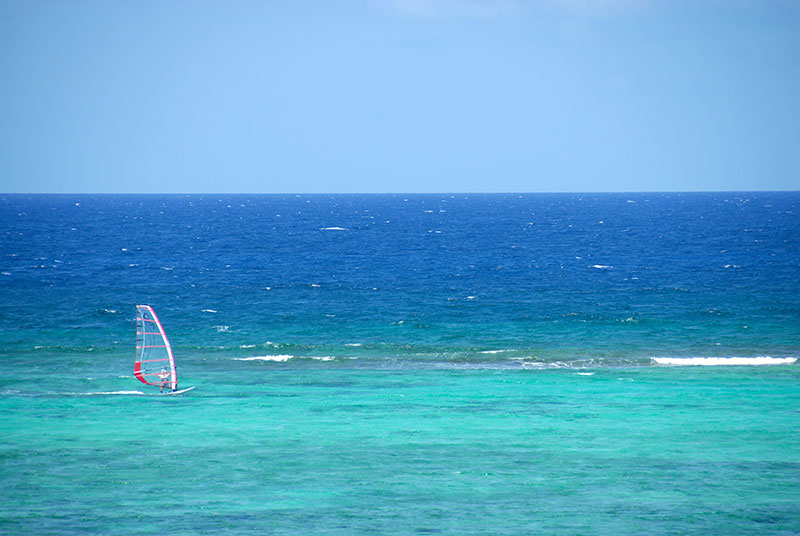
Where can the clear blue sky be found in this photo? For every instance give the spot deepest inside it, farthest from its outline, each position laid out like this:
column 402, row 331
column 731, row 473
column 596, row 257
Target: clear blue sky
column 399, row 95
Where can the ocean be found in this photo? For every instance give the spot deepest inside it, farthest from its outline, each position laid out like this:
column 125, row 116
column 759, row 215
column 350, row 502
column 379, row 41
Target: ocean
column 403, row 364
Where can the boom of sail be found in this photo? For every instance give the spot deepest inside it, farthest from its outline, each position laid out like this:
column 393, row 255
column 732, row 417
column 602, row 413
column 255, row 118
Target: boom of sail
column 154, row 363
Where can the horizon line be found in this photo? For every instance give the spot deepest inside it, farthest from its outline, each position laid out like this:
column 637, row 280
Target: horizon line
column 420, row 193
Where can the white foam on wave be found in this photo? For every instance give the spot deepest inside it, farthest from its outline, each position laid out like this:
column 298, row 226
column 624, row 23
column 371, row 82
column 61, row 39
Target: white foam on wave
column 277, row 358
column 585, row 373
column 333, row 229
column 286, row 357
column 494, row 351
column 601, row 266
column 541, row 365
column 208, row 311
column 722, row 361
column 354, row 344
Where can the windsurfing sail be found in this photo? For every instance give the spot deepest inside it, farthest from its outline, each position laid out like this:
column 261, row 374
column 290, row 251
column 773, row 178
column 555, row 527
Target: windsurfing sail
column 154, row 363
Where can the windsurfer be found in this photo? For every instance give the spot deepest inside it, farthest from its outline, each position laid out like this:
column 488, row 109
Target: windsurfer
column 164, row 377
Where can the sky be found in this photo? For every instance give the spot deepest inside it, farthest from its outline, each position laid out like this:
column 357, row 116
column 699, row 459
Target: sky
column 299, row 96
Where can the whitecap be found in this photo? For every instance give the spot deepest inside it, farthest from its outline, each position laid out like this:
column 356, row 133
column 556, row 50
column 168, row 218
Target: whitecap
column 333, row 229
column 601, row 266
column 208, row 311
column 247, row 346
column 354, row 344
column 277, row 358
column 222, row 329
column 722, row 361
column 585, row 373
column 540, row 365
column 494, row 351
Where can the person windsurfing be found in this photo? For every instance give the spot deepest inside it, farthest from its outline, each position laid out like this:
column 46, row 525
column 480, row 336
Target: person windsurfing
column 164, row 377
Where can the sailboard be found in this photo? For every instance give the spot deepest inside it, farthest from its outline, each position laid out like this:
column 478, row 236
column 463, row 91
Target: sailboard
column 178, row 392
column 154, row 363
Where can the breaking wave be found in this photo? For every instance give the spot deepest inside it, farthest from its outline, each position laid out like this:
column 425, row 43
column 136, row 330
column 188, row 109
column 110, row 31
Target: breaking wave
column 286, row 357
column 722, row 361
column 278, row 358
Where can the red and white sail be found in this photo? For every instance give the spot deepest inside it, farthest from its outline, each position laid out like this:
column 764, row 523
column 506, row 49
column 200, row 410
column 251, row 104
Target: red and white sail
column 154, row 363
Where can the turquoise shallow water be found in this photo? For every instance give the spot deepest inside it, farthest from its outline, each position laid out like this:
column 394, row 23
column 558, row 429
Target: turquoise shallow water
column 644, row 450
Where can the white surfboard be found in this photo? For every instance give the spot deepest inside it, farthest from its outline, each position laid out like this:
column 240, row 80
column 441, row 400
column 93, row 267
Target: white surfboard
column 178, row 392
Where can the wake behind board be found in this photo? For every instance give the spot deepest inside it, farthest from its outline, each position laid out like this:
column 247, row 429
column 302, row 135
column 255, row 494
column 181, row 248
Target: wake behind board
column 177, row 392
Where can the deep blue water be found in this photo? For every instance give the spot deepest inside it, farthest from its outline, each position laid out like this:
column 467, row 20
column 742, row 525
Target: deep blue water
column 414, row 278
